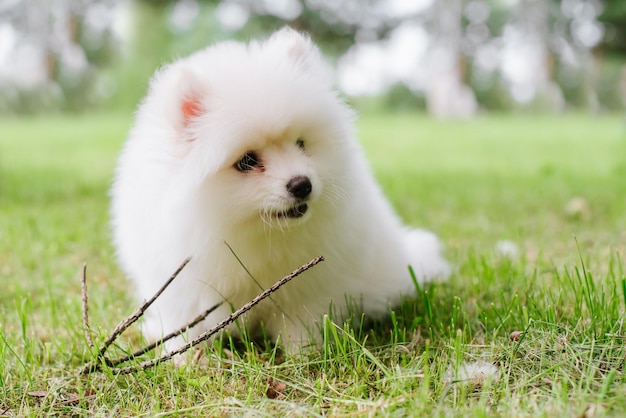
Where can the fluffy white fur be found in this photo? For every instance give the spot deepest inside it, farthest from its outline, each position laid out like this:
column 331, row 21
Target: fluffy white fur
column 178, row 194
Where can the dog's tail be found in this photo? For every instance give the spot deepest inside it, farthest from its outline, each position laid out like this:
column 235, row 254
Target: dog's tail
column 424, row 250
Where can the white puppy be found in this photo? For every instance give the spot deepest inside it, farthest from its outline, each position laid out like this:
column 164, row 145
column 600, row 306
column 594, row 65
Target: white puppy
column 247, row 146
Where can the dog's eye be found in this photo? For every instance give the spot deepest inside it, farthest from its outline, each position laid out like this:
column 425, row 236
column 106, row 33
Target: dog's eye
column 300, row 143
column 247, row 162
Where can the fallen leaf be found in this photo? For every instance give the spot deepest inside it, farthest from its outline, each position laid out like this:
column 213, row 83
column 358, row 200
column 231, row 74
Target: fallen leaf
column 507, row 249
column 275, row 389
column 474, row 372
column 578, row 208
column 72, row 398
column 38, row 394
column 592, row 410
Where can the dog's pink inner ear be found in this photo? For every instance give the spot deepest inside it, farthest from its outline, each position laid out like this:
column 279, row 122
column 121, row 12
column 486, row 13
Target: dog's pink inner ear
column 191, row 108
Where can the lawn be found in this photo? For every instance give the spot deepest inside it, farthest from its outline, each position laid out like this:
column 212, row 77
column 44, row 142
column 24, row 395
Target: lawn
column 551, row 188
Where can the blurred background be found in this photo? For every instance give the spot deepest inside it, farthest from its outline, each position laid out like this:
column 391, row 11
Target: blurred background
column 450, row 58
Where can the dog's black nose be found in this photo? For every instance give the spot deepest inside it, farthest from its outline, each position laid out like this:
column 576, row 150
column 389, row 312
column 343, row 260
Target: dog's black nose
column 299, row 187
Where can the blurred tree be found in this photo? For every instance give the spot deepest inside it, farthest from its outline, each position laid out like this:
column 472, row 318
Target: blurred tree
column 614, row 17
column 72, row 44
column 56, row 49
column 147, row 46
column 177, row 27
column 614, row 46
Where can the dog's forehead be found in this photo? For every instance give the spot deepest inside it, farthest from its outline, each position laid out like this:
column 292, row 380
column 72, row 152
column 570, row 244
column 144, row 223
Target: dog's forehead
column 279, row 137
column 259, row 140
column 271, row 136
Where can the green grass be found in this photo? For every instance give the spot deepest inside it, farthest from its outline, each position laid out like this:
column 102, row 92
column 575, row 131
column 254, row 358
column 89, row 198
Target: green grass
column 475, row 183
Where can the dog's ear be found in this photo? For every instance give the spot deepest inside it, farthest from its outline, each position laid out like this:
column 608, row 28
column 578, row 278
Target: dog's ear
column 191, row 99
column 298, row 47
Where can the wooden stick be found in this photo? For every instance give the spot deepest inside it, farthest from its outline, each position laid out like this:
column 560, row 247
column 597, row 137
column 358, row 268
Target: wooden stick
column 232, row 317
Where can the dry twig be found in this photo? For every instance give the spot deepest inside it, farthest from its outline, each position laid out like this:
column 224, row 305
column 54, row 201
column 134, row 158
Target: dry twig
column 85, row 307
column 168, row 337
column 229, row 319
column 123, row 325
